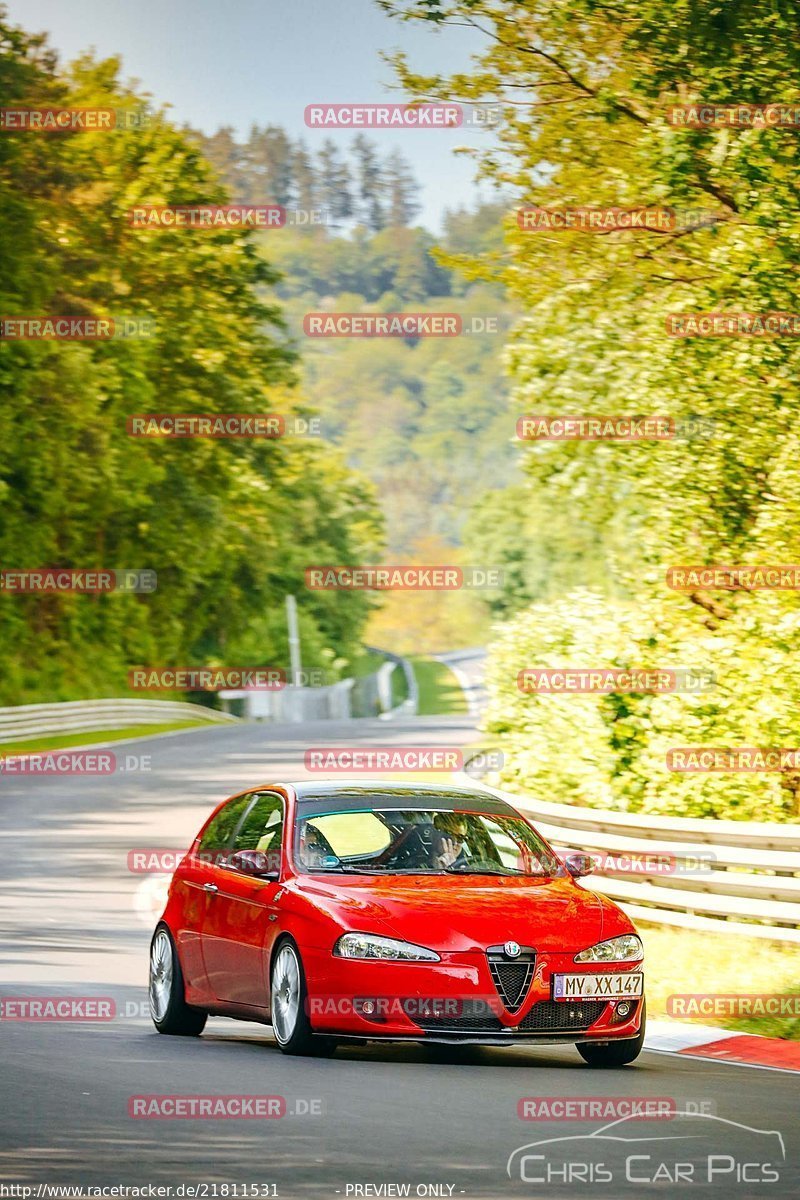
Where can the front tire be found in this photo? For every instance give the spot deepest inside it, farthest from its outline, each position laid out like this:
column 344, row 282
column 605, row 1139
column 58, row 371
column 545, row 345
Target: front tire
column 168, row 1007
column 615, row 1054
column 288, row 1001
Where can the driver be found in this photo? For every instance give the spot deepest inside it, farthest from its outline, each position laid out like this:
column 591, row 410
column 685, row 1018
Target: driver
column 312, row 847
column 450, row 848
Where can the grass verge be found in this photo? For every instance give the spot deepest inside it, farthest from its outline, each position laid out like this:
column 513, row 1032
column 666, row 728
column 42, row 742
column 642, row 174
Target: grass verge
column 680, row 961
column 440, row 693
column 93, row 736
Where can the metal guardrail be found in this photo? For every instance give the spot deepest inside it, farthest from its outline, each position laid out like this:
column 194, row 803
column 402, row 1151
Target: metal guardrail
column 361, row 696
column 25, row 721
column 739, row 877
column 410, row 705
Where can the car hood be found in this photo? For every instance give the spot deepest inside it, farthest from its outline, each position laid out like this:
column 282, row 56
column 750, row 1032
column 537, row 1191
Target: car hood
column 449, row 914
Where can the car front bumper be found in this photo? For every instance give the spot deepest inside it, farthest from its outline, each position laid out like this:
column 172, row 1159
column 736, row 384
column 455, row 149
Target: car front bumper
column 456, row 1000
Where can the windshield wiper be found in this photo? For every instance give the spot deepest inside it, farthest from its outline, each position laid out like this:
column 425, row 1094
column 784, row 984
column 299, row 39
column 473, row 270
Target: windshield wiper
column 342, row 869
column 466, row 869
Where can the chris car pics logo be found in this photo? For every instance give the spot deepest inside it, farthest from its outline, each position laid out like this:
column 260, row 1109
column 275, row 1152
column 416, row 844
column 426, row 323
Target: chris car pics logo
column 696, row 1148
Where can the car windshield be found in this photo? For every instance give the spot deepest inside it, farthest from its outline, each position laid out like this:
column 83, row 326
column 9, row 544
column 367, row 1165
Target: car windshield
column 422, row 841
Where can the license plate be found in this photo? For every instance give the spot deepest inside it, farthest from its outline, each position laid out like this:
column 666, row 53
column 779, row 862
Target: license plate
column 598, row 987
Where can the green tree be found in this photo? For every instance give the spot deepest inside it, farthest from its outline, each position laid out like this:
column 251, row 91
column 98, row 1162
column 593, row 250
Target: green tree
column 402, row 188
column 370, row 180
column 334, row 183
column 586, row 89
column 228, row 527
column 271, row 163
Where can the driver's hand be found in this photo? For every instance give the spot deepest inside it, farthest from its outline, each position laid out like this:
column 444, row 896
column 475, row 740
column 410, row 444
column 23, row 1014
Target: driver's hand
column 449, row 850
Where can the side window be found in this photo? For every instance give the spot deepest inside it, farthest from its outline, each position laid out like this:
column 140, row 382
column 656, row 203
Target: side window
column 219, row 833
column 262, row 829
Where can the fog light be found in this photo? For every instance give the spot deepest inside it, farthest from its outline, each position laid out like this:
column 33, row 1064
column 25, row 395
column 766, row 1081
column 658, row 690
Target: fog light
column 623, row 1009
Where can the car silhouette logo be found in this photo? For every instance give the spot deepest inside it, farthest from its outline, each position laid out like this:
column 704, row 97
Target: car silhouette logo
column 512, row 949
column 683, row 1127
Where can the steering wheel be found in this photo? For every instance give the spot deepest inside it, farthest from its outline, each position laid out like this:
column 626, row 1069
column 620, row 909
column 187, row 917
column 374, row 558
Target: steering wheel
column 408, row 841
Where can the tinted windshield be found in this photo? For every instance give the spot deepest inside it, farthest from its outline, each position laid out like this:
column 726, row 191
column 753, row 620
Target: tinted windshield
column 421, row 841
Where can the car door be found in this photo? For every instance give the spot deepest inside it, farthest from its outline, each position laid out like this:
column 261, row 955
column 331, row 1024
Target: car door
column 195, row 882
column 241, row 920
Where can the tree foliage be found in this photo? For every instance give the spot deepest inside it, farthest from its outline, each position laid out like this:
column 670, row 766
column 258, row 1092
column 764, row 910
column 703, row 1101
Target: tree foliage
column 586, row 89
column 357, row 186
column 228, row 526
column 426, row 417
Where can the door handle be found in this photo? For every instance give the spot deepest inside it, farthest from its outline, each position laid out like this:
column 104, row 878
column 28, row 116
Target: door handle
column 210, row 887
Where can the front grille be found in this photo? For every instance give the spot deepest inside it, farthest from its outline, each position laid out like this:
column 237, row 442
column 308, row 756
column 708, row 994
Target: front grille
column 463, row 1024
column 511, row 976
column 548, row 1016
column 511, row 981
column 561, row 1016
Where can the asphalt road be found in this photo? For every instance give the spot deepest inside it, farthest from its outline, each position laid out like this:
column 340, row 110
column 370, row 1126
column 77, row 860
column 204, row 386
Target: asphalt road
column 74, row 919
column 468, row 666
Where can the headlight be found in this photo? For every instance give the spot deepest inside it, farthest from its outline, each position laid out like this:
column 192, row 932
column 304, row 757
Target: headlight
column 371, row 945
column 627, row 948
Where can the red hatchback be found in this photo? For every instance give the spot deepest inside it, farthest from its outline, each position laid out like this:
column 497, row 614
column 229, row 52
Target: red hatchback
column 435, row 913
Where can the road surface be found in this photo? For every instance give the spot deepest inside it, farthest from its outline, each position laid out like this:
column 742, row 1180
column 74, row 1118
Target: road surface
column 370, row 1121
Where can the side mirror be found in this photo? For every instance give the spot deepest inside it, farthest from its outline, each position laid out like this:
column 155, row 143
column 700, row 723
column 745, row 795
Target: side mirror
column 255, row 863
column 579, row 865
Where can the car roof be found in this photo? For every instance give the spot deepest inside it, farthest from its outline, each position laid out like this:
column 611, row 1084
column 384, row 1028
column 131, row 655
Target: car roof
column 393, row 793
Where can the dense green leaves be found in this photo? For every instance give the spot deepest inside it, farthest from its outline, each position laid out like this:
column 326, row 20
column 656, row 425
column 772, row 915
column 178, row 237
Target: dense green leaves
column 588, row 88
column 229, row 527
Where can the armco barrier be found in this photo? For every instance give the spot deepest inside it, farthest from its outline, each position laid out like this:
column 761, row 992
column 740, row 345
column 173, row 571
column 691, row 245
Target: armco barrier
column 407, row 707
column 363, row 696
column 293, row 705
column 86, row 716
column 747, row 881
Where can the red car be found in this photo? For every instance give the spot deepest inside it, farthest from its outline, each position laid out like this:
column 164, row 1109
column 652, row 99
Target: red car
column 339, row 911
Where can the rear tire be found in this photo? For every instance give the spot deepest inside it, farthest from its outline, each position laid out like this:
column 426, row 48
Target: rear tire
column 288, row 1002
column 168, row 1007
column 615, row 1054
